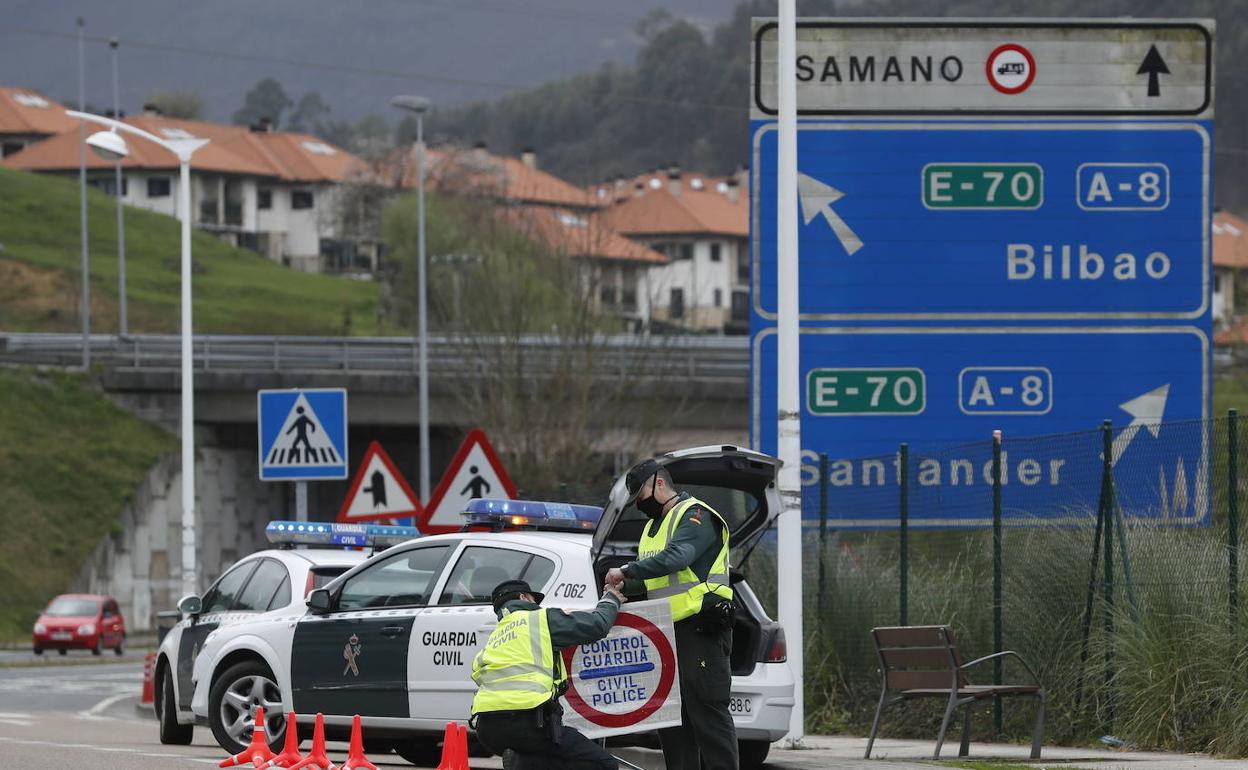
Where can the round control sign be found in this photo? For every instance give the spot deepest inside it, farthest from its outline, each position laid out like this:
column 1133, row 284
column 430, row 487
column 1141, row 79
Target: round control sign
column 621, row 680
column 1011, row 69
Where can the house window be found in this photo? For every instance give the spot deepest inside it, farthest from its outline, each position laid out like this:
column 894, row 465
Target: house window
column 719, row 298
column 8, row 148
column 686, row 251
column 108, row 185
column 715, row 257
column 743, row 267
column 264, row 199
column 628, row 297
column 606, row 293
column 677, row 305
column 301, row 199
column 159, row 187
column 1217, row 283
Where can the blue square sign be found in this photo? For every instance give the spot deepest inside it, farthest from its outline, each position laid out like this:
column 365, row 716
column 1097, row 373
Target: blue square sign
column 303, row 434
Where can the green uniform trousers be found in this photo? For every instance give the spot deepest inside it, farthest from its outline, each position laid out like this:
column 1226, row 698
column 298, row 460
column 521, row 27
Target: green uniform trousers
column 706, row 738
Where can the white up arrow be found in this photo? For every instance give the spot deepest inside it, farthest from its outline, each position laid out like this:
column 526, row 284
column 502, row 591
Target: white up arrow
column 817, row 198
column 1146, row 412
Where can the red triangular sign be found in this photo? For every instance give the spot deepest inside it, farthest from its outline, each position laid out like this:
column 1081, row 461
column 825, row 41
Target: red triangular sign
column 475, row 471
column 379, row 491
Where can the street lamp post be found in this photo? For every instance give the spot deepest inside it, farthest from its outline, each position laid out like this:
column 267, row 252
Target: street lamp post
column 84, row 300
column 419, row 105
column 111, row 146
column 122, row 322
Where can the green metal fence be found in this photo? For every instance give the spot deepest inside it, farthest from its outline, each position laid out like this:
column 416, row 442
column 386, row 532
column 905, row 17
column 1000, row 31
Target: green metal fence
column 1119, row 580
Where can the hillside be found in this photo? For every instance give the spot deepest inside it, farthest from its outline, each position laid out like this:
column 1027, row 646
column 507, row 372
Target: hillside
column 69, row 462
column 235, row 291
column 685, row 100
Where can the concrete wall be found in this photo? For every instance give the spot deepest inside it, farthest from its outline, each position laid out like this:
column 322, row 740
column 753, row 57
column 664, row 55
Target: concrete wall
column 141, row 565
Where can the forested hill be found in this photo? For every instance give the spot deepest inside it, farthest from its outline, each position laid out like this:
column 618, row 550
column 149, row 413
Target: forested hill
column 685, row 100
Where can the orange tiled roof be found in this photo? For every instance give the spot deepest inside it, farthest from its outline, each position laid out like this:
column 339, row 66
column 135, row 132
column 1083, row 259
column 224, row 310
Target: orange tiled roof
column 579, row 234
column 498, row 176
column 231, row 150
column 656, row 210
column 1230, row 240
column 1235, row 334
column 23, row 111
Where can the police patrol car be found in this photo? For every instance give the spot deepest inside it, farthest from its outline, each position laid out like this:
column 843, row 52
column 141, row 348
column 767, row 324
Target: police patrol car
column 393, row 639
column 262, row 585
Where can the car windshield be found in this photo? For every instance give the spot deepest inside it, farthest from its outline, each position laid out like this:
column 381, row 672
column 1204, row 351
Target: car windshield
column 66, row 607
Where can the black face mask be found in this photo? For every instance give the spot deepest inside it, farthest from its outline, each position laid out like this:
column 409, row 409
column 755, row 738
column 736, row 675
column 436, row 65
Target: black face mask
column 648, row 505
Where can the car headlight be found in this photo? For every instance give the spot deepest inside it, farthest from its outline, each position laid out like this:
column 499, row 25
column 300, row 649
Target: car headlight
column 86, row 629
column 40, row 628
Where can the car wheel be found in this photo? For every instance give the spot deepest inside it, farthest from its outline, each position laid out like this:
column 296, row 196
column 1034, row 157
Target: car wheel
column 38, row 650
column 171, row 733
column 232, row 704
column 120, row 649
column 752, row 753
column 63, row 651
column 99, row 645
column 422, row 752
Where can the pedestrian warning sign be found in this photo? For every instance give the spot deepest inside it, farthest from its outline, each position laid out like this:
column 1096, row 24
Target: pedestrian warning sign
column 627, row 682
column 379, row 490
column 475, row 471
column 303, row 434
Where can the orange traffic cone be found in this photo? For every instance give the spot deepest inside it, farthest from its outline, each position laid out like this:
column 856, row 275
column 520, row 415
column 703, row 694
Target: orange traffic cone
column 290, row 751
column 462, row 745
column 355, row 754
column 316, row 756
column 258, row 752
column 448, row 747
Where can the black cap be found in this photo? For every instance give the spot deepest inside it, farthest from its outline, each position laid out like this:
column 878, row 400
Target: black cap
column 510, row 589
column 637, row 477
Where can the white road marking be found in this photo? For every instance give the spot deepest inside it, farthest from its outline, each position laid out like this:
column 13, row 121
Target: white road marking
column 96, row 711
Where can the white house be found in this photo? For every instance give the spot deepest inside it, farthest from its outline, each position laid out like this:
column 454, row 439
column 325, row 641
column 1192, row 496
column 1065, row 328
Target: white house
column 274, row 192
column 27, row 117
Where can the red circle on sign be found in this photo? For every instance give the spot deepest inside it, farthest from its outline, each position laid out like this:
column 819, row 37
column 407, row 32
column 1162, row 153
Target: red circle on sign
column 666, row 657
column 992, row 76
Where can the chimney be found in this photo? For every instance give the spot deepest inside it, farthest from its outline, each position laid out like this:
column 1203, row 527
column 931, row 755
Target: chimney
column 480, row 150
column 639, row 189
column 151, row 111
column 673, row 180
column 263, row 126
column 743, row 175
column 529, row 158
column 733, row 191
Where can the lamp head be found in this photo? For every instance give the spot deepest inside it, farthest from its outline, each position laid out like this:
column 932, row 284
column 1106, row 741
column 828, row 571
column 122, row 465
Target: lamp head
column 108, row 145
column 416, row 104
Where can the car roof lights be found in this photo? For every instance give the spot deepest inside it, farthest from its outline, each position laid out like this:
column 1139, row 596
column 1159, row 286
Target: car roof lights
column 531, row 514
column 290, row 533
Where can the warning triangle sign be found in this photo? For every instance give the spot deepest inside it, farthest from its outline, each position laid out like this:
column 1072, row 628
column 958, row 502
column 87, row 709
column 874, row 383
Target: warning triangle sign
column 475, row 471
column 302, row 441
column 379, row 491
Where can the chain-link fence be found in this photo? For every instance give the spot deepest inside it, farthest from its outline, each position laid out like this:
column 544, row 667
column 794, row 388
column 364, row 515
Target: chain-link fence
column 1107, row 558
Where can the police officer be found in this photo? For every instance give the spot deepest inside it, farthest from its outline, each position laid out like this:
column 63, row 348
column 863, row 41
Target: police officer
column 683, row 556
column 520, row 676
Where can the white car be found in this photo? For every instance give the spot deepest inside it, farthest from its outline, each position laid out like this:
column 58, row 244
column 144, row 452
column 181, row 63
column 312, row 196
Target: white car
column 263, row 585
column 394, row 638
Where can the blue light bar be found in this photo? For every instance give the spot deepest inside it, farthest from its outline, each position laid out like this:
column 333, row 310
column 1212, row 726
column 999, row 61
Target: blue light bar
column 531, row 514
column 327, row 534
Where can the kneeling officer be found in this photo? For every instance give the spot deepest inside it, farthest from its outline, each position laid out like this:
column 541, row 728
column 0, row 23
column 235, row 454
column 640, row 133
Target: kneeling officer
column 520, row 677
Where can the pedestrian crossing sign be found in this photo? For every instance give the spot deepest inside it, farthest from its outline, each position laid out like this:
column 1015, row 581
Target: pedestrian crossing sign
column 303, row 434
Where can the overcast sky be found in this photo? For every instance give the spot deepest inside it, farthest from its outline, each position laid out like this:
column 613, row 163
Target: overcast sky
column 356, row 53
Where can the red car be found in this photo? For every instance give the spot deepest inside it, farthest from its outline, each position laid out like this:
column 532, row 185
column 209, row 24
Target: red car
column 80, row 621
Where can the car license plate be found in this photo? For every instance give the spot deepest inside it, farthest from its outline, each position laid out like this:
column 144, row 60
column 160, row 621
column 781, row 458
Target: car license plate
column 741, row 705
column 62, row 636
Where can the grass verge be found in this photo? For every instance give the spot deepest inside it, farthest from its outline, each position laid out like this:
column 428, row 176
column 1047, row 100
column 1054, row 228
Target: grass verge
column 235, row 291
column 70, row 461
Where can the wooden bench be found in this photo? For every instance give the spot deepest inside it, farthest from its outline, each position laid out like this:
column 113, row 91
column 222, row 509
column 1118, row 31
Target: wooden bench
column 923, row 662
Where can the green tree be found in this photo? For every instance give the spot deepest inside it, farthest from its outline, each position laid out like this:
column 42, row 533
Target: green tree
column 178, row 103
column 310, row 115
column 266, row 99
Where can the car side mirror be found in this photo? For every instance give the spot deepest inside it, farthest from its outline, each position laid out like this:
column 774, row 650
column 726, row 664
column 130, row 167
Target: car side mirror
column 190, row 605
column 320, row 600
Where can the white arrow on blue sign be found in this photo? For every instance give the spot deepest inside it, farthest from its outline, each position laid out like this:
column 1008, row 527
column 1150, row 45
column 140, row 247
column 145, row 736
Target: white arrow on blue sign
column 302, row 434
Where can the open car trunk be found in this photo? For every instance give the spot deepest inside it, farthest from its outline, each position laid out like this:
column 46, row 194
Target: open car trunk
column 740, row 485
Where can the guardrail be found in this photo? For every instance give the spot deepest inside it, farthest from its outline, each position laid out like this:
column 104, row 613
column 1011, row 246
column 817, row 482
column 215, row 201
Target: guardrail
column 699, row 358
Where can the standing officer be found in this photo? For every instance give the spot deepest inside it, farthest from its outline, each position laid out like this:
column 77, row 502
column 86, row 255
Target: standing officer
column 683, row 556
column 520, row 676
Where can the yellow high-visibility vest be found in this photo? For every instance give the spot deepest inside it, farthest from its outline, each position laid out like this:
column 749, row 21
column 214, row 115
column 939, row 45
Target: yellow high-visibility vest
column 518, row 668
column 684, row 590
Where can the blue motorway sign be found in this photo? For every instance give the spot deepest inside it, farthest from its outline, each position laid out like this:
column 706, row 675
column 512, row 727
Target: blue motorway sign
column 865, row 389
column 302, row 434
column 1004, row 220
